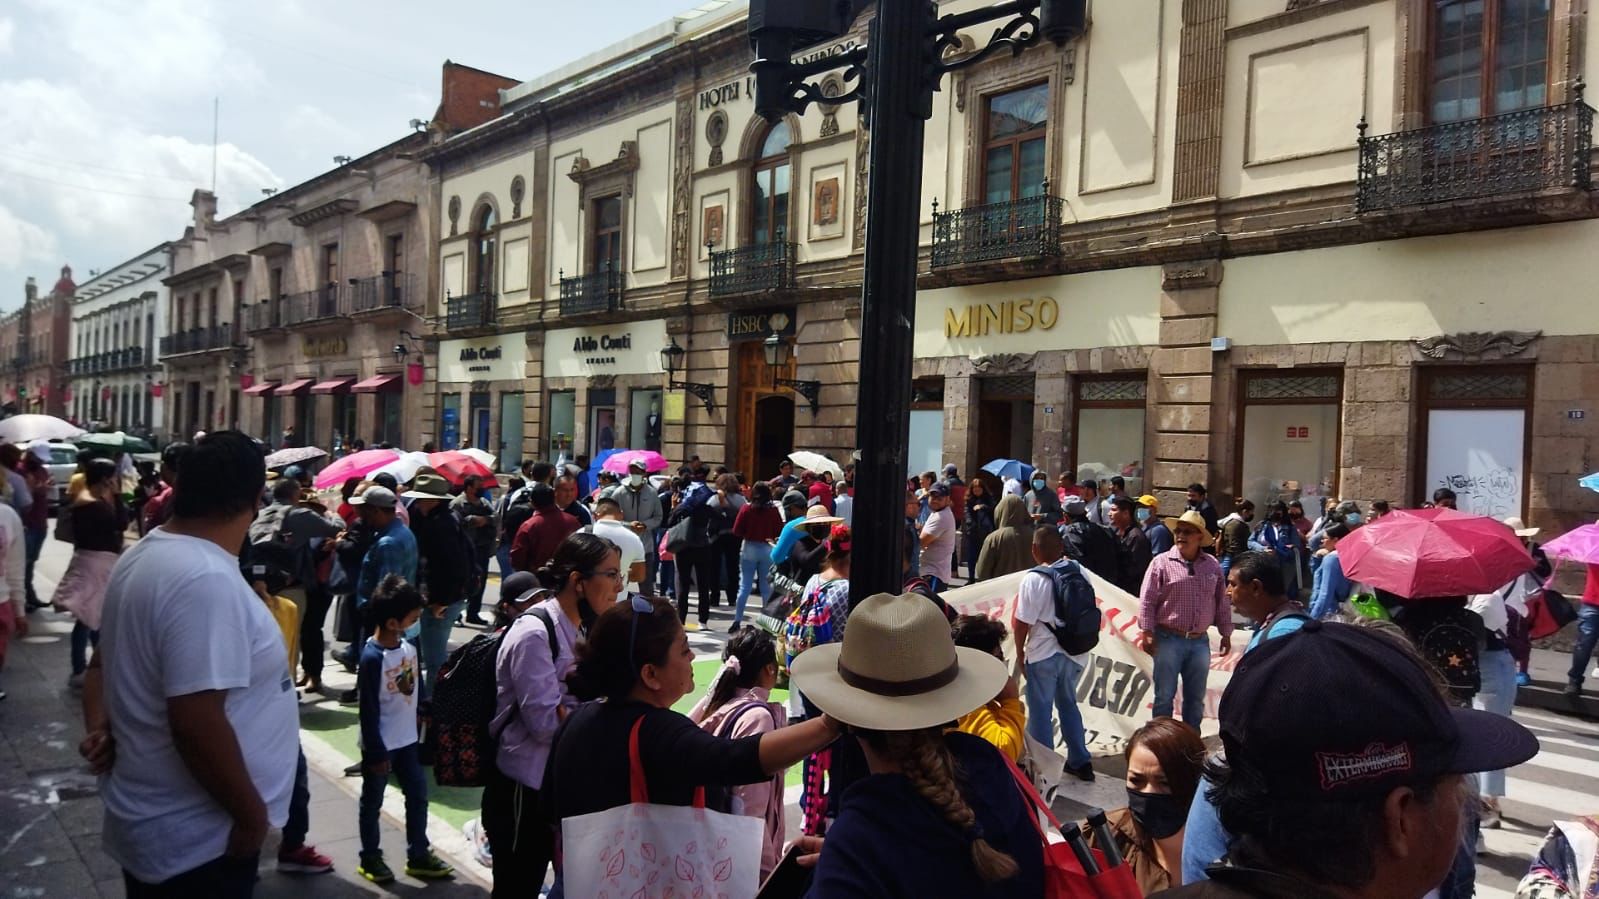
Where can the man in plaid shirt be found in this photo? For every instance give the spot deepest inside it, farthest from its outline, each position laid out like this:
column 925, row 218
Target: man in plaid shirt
column 1183, row 596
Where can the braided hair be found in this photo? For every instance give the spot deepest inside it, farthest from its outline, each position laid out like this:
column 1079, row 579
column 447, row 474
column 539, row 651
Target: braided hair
column 926, row 762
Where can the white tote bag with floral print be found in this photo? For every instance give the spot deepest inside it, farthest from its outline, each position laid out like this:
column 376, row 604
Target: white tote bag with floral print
column 645, row 851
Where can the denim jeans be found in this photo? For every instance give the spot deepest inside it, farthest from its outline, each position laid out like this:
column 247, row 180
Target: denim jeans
column 299, row 820
column 33, row 542
column 502, row 557
column 433, row 646
column 406, row 765
column 1587, row 638
column 1052, row 686
column 223, row 877
column 1188, row 658
column 1498, row 695
column 755, row 566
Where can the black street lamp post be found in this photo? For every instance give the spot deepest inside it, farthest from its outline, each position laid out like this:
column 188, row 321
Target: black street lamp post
column 907, row 54
column 777, row 351
column 672, row 361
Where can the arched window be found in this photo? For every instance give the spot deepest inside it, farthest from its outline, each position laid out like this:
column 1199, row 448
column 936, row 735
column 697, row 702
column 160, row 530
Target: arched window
column 483, row 248
column 769, row 198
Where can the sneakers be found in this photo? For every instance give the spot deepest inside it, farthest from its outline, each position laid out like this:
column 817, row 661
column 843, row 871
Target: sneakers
column 75, row 681
column 479, row 839
column 375, row 869
column 1572, row 691
column 476, row 621
column 1489, row 817
column 429, row 867
column 1084, row 773
column 349, row 697
column 1523, row 679
column 303, row 860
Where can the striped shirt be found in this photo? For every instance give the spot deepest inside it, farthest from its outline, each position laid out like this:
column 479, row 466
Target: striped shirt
column 1184, row 596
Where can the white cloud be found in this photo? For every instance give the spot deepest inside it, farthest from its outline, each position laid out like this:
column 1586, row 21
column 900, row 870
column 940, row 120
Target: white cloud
column 24, row 244
column 8, row 28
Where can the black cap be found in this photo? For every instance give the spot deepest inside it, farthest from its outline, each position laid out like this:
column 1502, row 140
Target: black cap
column 938, row 489
column 519, row 587
column 1338, row 711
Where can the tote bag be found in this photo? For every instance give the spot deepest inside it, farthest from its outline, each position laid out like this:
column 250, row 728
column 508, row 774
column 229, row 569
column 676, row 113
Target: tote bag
column 1064, row 877
column 645, row 851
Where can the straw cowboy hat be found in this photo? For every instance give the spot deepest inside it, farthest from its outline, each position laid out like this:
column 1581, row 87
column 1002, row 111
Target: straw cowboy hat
column 897, row 669
column 1191, row 518
column 1520, row 527
column 818, row 515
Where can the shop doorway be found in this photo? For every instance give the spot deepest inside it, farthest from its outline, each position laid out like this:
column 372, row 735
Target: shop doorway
column 765, row 414
column 563, row 421
column 1005, row 418
column 1289, row 434
column 644, row 421
column 1474, row 437
column 602, row 420
column 1108, row 429
column 450, row 421
column 511, row 427
column 774, row 434
column 479, row 409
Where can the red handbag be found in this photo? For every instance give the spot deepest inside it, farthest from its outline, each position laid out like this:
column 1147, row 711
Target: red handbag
column 1064, row 877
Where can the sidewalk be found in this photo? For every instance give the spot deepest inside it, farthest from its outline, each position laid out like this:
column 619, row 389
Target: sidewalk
column 50, row 811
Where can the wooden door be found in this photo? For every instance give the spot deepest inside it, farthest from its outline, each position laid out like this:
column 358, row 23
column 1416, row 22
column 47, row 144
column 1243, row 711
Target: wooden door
column 761, row 428
column 993, row 431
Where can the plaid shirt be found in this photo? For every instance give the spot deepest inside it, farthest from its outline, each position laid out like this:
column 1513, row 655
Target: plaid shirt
column 1183, row 596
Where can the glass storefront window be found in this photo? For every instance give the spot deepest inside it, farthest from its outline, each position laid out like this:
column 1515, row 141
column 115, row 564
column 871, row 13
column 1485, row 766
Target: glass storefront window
column 562, row 424
column 511, row 429
column 1109, row 431
column 644, row 420
column 391, row 418
column 450, row 421
column 1289, row 437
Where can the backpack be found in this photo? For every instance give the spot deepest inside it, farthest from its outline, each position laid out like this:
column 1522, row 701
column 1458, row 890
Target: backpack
column 811, row 622
column 269, row 557
column 1450, row 640
column 464, row 698
column 1075, row 607
column 517, row 512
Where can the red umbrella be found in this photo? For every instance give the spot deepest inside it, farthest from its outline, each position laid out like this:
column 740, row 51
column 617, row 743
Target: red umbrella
column 1434, row 552
column 455, row 466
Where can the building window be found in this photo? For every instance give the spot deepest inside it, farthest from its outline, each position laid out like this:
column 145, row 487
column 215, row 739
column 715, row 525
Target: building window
column 1289, row 437
column 1108, row 430
column 394, row 257
column 1489, row 57
column 606, row 240
column 1474, row 435
column 1013, row 144
column 769, row 197
column 483, row 238
column 211, row 298
column 330, row 263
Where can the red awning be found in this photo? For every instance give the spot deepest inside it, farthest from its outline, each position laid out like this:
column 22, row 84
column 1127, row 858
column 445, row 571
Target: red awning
column 337, row 385
column 261, row 389
column 290, row 388
column 379, row 384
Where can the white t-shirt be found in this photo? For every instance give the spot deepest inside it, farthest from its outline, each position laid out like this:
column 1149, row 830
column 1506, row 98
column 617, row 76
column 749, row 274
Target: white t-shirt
column 1035, row 606
column 844, row 507
column 397, row 694
column 179, row 619
column 629, row 543
column 936, row 557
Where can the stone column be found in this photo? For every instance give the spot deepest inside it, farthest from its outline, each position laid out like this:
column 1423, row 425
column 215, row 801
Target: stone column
column 960, row 438
column 1182, row 374
column 533, row 436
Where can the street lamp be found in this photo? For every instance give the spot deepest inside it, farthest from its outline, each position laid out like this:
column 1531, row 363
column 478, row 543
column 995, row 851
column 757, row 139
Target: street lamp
column 907, row 54
column 672, row 361
column 777, row 355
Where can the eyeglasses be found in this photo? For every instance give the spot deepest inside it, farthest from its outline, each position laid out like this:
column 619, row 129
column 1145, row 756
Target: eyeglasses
column 614, row 574
column 641, row 606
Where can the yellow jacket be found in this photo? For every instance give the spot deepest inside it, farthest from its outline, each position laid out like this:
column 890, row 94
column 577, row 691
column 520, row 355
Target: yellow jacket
column 1000, row 722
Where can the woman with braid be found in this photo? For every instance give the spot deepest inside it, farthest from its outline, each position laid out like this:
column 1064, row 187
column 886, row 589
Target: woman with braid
column 940, row 814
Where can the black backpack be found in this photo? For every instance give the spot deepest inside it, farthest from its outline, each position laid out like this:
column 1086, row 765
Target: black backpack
column 267, row 554
column 1451, row 639
column 517, row 512
column 1093, row 547
column 1075, row 607
column 462, row 709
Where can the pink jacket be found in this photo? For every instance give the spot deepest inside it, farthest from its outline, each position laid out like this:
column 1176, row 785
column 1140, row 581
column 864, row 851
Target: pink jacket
column 763, row 800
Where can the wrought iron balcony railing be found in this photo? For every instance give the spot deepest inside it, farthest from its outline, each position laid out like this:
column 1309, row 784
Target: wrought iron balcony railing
column 390, row 290
column 198, row 340
column 597, row 292
column 1521, row 152
column 328, row 301
column 472, row 310
column 753, row 269
column 109, row 361
column 1028, row 228
column 264, row 315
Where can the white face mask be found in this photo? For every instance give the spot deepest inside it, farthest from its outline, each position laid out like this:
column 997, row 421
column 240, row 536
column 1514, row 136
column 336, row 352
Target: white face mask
column 635, row 480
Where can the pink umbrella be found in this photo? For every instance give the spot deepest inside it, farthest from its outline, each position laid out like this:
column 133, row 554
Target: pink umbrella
column 617, row 463
column 1434, row 552
column 1579, row 545
column 355, row 465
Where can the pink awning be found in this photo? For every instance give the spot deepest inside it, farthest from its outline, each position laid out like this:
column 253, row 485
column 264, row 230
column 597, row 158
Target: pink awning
column 290, row 388
column 379, row 384
column 337, row 385
column 261, row 389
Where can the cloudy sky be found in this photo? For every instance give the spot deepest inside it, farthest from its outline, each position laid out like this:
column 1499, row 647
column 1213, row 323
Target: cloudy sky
column 105, row 105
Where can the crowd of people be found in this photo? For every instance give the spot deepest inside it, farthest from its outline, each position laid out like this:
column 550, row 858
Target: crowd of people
column 914, row 730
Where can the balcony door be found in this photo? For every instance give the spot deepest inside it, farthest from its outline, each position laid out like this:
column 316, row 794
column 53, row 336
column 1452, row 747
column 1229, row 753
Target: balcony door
column 770, row 190
column 484, row 224
column 1015, row 128
column 606, row 245
column 1488, row 57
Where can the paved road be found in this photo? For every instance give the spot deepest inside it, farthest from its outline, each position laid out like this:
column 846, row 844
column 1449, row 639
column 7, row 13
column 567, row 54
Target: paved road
column 50, row 811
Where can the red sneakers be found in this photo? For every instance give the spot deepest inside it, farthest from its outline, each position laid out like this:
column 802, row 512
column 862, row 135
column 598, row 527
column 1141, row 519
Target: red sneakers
column 303, row 860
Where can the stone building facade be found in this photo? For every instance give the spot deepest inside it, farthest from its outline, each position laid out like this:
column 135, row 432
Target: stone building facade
column 34, row 349
column 118, row 319
column 1283, row 249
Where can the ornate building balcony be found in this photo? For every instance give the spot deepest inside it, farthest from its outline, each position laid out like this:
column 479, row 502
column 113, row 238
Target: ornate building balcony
column 1028, row 228
column 753, row 269
column 472, row 310
column 592, row 293
column 1526, row 152
column 323, row 303
column 390, row 290
column 198, row 340
column 266, row 315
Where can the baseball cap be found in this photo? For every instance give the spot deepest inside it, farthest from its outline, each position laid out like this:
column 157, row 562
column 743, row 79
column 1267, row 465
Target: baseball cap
column 1149, row 501
column 1382, row 723
column 950, row 470
column 1074, row 505
column 638, row 466
column 378, row 497
column 794, row 498
column 938, row 489
column 519, row 588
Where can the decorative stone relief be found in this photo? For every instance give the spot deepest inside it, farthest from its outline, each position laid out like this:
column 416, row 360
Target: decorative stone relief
column 715, row 134
column 832, row 86
column 1477, row 346
column 518, row 191
column 863, row 143
column 455, row 213
column 602, row 382
column 682, row 181
column 1004, row 363
column 625, row 163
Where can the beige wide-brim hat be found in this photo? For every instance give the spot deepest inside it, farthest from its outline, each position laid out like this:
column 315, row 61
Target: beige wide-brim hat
column 818, row 515
column 1191, row 518
column 1520, row 527
column 897, row 669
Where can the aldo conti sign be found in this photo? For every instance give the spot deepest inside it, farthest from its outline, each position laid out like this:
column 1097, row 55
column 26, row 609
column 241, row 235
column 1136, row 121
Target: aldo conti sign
column 502, row 358
column 627, row 348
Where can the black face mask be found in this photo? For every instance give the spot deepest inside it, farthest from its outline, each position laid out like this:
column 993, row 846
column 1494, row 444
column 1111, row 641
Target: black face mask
column 1158, row 814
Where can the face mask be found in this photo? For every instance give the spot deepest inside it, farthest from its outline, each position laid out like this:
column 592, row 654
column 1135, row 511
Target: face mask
column 1143, row 514
column 635, row 480
column 1038, row 485
column 1157, row 813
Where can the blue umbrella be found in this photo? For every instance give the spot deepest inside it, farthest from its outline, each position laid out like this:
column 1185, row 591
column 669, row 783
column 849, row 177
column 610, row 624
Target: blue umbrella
column 1591, row 481
column 1009, row 468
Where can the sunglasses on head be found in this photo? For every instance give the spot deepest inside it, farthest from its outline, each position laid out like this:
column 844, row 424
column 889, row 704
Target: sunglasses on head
column 641, row 606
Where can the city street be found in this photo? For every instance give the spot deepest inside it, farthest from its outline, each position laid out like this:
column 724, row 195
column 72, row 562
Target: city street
column 50, row 814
